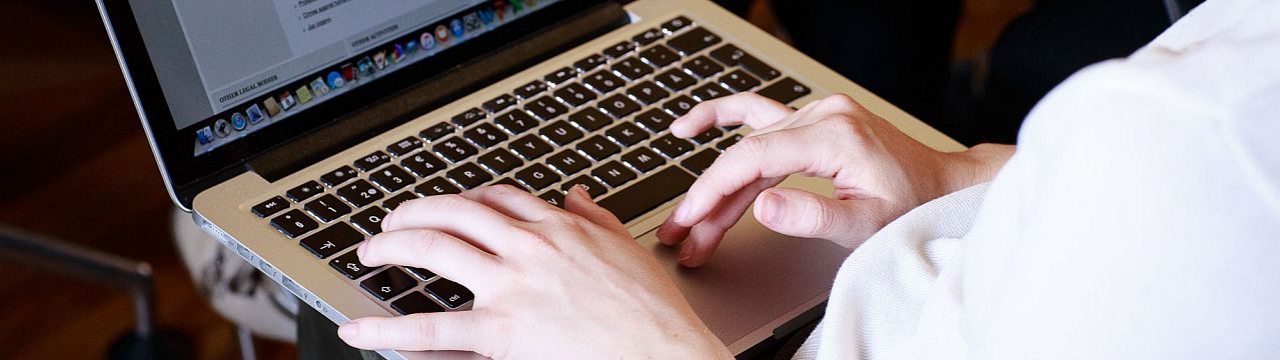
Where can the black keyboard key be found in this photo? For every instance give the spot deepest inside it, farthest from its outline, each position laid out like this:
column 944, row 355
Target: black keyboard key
column 703, row 67
column 618, row 105
column 531, row 89
column 485, row 136
column 739, row 81
column 349, row 265
column 450, row 293
column 405, row 146
column 510, row 181
column 516, row 121
column 784, row 91
column 709, row 91
column 270, row 207
column 589, row 63
column 423, row 164
column 659, row 56
column 471, row 116
column 603, row 81
column 726, row 143
column 678, row 23
column 701, row 161
column 502, row 102
column 708, row 136
column 655, row 120
column 614, row 174
column 620, row 49
column 733, row 56
column 648, row 92
column 372, row 161
column 396, row 200
column 671, row 146
column 553, row 197
column 359, row 193
column 500, row 161
column 530, row 147
column 575, row 94
column 392, row 178
column 454, row 149
column 627, row 134
column 369, row 220
column 546, row 108
column 591, row 119
column 338, row 176
column 632, row 68
column 436, row 186
column 593, row 187
column 469, row 176
column 598, row 148
column 331, row 240
column 648, row 194
column 643, row 159
column 437, row 131
column 305, row 191
column 675, row 79
column 648, row 36
column 568, row 162
column 415, row 303
column 560, row 132
column 294, row 223
column 537, row 176
column 562, row 75
column 693, row 41
column 327, row 208
column 389, row 283
column 420, row 273
column 680, row 105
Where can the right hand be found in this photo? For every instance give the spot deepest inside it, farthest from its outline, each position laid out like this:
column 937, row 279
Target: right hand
column 879, row 172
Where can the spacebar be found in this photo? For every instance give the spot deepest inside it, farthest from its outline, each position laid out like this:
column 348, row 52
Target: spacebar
column 648, row 194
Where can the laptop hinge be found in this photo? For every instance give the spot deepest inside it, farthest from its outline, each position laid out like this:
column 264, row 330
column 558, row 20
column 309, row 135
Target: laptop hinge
column 406, row 105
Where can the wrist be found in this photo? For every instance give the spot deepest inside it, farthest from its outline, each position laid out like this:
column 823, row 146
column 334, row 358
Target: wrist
column 976, row 165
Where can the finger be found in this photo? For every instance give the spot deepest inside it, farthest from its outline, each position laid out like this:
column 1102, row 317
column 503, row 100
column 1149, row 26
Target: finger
column 579, row 202
column 462, row 331
column 459, row 216
column 803, row 214
column 671, row 233
column 814, row 111
column 512, row 202
column 432, row 250
column 707, row 235
column 776, row 154
column 747, row 108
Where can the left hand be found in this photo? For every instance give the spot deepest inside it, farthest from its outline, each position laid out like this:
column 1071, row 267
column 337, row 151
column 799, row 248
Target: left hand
column 549, row 283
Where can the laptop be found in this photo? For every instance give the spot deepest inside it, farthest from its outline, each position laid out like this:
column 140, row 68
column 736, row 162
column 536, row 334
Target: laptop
column 289, row 129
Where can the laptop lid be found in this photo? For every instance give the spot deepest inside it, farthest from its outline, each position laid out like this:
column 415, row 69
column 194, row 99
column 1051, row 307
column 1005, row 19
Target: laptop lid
column 219, row 83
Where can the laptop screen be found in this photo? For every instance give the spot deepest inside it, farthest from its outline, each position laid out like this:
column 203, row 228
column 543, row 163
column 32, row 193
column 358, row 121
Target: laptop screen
column 227, row 69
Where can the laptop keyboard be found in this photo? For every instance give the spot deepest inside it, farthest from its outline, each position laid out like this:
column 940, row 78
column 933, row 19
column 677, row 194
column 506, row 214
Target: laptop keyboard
column 601, row 123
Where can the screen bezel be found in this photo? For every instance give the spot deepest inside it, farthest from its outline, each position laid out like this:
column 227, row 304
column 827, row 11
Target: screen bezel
column 175, row 147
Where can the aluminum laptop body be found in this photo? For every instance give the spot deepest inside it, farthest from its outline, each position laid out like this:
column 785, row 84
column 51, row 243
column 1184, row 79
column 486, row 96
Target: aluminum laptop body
column 756, row 285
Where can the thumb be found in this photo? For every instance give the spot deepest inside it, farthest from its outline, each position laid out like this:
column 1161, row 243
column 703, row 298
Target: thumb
column 803, row 214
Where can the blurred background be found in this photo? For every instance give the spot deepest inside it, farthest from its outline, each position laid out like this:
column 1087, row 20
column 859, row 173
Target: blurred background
column 76, row 165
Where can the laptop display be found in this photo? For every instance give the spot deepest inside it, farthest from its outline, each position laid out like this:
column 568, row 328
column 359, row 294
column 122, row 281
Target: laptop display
column 228, row 70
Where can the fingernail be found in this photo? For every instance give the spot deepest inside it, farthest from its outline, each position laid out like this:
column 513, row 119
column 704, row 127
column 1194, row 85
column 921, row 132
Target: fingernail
column 349, row 330
column 682, row 213
column 686, row 252
column 772, row 208
column 360, row 250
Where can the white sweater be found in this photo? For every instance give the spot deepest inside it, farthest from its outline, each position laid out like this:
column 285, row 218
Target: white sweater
column 1139, row 219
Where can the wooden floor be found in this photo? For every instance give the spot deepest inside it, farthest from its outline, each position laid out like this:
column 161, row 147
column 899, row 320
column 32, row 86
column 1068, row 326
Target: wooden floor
column 74, row 164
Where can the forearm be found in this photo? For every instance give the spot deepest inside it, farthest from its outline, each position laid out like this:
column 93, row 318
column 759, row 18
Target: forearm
column 977, row 165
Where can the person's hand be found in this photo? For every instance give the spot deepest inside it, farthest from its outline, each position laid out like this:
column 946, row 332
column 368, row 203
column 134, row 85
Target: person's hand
column 879, row 173
column 549, row 283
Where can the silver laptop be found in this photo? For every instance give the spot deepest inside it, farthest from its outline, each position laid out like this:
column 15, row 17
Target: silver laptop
column 290, row 128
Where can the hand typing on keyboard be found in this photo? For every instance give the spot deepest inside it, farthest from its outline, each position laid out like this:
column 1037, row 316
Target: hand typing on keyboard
column 879, row 173
column 548, row 283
